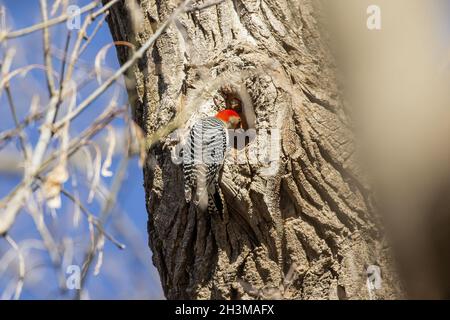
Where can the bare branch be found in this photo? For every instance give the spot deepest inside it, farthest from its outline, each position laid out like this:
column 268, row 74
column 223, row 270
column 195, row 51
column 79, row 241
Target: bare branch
column 47, row 56
column 94, row 219
column 62, row 18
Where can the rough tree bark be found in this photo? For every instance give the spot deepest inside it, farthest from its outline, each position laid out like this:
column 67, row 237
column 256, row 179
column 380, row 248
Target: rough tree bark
column 305, row 232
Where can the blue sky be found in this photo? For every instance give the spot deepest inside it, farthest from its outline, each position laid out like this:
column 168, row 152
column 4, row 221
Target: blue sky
column 125, row 273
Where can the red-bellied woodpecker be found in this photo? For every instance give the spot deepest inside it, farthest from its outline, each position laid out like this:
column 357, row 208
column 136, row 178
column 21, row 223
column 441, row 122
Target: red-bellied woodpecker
column 203, row 156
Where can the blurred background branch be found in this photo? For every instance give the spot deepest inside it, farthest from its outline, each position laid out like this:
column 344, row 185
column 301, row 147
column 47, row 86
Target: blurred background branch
column 56, row 163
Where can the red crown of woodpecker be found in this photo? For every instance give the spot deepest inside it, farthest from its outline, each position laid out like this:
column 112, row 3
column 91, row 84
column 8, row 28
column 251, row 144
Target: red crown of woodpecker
column 225, row 115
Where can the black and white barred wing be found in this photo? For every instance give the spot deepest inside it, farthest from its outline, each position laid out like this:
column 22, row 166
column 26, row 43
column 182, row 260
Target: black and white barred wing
column 203, row 157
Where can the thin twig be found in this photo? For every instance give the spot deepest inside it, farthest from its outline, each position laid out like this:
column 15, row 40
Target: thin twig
column 21, row 272
column 13, row 109
column 14, row 200
column 49, row 23
column 47, row 56
column 61, row 77
column 198, row 7
column 107, row 206
column 93, row 34
column 101, row 122
column 44, row 232
column 81, row 34
column 137, row 55
column 95, row 220
column 5, row 136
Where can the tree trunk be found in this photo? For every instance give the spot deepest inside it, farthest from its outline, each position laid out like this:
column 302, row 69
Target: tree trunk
column 296, row 227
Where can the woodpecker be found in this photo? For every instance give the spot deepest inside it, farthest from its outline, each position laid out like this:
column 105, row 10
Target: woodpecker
column 203, row 156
